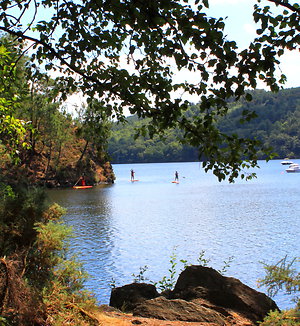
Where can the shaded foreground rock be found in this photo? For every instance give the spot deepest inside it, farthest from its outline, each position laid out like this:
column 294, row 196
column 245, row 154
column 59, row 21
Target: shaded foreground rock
column 128, row 296
column 201, row 294
column 227, row 292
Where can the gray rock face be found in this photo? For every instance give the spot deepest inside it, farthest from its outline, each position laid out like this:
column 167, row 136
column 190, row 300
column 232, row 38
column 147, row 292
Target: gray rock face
column 177, row 309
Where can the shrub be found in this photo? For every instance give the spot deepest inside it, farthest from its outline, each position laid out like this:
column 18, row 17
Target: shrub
column 282, row 276
column 38, row 284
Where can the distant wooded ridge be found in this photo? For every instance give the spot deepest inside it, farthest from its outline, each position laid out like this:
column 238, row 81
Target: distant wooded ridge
column 277, row 124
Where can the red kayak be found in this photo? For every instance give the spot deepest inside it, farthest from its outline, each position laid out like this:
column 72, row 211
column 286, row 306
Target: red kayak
column 82, row 187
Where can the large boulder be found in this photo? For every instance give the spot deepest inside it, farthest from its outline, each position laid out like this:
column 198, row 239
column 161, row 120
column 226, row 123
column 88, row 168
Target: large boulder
column 201, row 294
column 128, row 296
column 199, row 282
column 177, row 309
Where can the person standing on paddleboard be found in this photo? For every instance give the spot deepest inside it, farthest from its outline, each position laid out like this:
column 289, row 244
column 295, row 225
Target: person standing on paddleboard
column 82, row 181
column 132, row 174
column 176, row 176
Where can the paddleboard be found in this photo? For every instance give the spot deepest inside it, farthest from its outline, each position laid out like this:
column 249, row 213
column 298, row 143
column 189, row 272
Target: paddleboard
column 134, row 180
column 82, row 187
column 175, row 181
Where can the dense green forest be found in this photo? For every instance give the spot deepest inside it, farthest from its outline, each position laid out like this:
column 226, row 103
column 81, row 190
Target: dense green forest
column 276, row 123
column 123, row 147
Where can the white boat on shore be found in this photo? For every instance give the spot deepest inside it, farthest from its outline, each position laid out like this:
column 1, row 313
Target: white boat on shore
column 293, row 168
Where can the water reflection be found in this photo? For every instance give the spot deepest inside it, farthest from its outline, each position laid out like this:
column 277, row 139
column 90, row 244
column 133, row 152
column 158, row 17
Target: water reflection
column 89, row 214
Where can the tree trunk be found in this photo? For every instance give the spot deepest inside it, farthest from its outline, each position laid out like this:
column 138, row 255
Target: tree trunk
column 83, row 152
column 48, row 162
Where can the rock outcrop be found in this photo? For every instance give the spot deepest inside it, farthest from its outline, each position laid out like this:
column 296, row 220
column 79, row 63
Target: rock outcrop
column 198, row 282
column 201, row 294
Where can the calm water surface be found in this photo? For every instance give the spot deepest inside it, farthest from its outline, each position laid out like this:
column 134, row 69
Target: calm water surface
column 121, row 227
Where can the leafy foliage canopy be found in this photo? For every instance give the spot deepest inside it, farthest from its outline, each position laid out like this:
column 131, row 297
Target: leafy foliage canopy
column 89, row 42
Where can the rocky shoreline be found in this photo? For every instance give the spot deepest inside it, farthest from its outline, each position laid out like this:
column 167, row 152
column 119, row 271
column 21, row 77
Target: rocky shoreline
column 95, row 173
column 201, row 295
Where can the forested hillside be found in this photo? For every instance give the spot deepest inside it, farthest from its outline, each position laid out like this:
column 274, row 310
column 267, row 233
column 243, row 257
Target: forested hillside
column 276, row 124
column 40, row 141
column 123, row 147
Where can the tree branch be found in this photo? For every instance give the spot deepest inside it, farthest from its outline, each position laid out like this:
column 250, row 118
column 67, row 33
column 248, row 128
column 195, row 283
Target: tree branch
column 55, row 54
column 286, row 5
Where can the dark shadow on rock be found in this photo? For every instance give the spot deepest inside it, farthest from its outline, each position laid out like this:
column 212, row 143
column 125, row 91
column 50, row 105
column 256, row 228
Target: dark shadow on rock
column 128, row 296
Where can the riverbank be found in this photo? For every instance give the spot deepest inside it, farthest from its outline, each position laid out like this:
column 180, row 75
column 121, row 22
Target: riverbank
column 116, row 318
column 106, row 317
column 201, row 297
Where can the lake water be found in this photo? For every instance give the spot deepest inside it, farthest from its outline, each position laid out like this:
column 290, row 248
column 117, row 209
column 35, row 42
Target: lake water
column 122, row 227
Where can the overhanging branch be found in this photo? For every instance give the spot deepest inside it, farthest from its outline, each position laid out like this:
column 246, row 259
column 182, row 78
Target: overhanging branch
column 286, row 5
column 55, row 54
